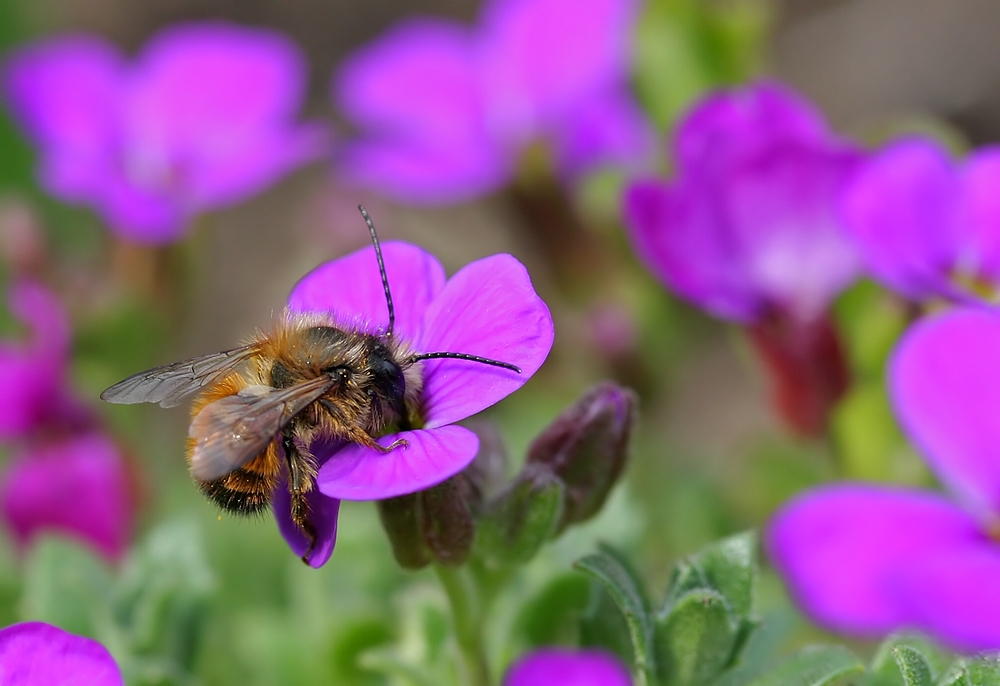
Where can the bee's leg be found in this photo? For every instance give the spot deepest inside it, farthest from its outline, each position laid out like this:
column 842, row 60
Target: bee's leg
column 298, row 486
column 358, row 435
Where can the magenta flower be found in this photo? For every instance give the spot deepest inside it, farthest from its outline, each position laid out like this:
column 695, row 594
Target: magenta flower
column 927, row 225
column 65, row 474
column 749, row 232
column 76, row 486
column 488, row 308
column 32, row 372
column 749, row 226
column 548, row 666
column 39, row 654
column 445, row 110
column 202, row 118
column 867, row 559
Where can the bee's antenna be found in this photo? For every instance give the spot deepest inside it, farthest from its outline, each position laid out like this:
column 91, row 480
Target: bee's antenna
column 381, row 270
column 464, row 356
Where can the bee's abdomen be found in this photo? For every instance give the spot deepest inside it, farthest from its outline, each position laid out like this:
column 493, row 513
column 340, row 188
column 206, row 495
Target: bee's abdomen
column 241, row 492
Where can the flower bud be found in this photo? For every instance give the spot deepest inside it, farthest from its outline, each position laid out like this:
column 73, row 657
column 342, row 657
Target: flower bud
column 586, row 447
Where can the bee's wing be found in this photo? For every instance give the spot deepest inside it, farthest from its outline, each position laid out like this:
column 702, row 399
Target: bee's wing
column 232, row 431
column 169, row 384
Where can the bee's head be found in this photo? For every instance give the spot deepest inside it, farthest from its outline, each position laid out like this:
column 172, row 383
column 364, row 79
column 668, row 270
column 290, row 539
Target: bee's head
column 388, row 386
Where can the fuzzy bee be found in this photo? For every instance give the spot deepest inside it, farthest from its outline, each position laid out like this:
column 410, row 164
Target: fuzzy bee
column 260, row 406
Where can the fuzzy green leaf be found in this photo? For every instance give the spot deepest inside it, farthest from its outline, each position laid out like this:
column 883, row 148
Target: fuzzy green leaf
column 695, row 640
column 813, row 666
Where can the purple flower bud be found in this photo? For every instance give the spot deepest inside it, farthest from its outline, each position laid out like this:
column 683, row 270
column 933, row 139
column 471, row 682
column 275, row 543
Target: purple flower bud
column 586, row 447
column 434, row 524
column 548, row 666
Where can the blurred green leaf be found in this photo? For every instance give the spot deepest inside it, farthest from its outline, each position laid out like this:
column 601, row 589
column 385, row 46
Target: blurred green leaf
column 913, row 666
column 984, row 671
column 602, row 624
column 390, row 663
column 866, row 433
column 886, row 669
column 695, row 640
column 552, row 616
column 626, row 589
column 813, row 666
column 353, row 639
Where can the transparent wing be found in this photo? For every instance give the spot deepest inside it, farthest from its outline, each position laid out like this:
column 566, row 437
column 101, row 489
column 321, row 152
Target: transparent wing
column 231, row 431
column 170, row 384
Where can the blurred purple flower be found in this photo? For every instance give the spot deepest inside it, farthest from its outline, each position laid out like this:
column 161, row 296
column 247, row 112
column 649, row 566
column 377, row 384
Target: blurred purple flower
column 488, row 308
column 445, row 110
column 928, row 226
column 749, row 232
column 867, row 559
column 567, row 667
column 39, row 654
column 749, row 225
column 77, row 486
column 66, row 475
column 203, row 118
column 32, row 372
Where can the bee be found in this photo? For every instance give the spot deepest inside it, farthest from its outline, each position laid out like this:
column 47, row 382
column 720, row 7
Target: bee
column 260, row 406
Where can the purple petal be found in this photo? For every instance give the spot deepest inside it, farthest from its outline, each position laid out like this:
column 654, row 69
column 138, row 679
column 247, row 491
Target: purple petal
column 146, row 215
column 35, row 653
column 900, row 210
column 548, row 666
column 942, row 384
column 678, row 233
column 954, row 597
column 351, row 288
column 781, row 204
column 609, row 129
column 323, row 512
column 977, row 253
column 78, row 486
column 416, row 93
column 845, row 550
column 431, row 456
column 423, row 172
column 32, row 374
column 729, row 123
column 63, row 92
column 489, row 309
column 538, row 76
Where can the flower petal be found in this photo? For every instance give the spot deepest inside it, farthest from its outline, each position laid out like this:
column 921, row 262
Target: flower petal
column 64, row 93
column 490, row 309
column 678, row 233
column 78, row 486
column 942, row 385
column 978, row 216
column 351, row 288
column 781, row 204
column 547, row 666
column 843, row 550
column 729, row 123
column 33, row 653
column 416, row 93
column 954, row 597
column 537, row 76
column 610, row 129
column 323, row 513
column 431, row 456
column 900, row 210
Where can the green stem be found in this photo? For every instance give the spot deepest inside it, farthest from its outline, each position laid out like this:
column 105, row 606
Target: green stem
column 467, row 614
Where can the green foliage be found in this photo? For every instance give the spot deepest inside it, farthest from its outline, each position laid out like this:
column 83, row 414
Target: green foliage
column 813, row 666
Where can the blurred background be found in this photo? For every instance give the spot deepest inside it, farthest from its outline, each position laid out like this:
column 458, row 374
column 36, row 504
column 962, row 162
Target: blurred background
column 710, row 457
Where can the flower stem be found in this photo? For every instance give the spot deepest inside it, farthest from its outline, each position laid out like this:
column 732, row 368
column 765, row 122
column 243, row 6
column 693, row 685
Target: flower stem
column 467, row 615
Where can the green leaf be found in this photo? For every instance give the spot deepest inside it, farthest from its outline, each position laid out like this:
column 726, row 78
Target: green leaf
column 602, row 624
column 813, row 666
column 730, row 568
column 912, row 666
column 553, row 615
column 965, row 672
column 354, row 638
column 887, row 670
column 519, row 520
column 613, row 571
column 69, row 586
column 695, row 640
column 390, row 663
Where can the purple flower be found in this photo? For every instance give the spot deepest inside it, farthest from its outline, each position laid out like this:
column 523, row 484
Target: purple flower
column 548, row 666
column 488, row 308
column 445, row 110
column 927, row 225
column 32, row 372
column 749, row 225
column 202, row 118
column 77, row 486
column 39, row 654
column 868, row 559
column 749, row 232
